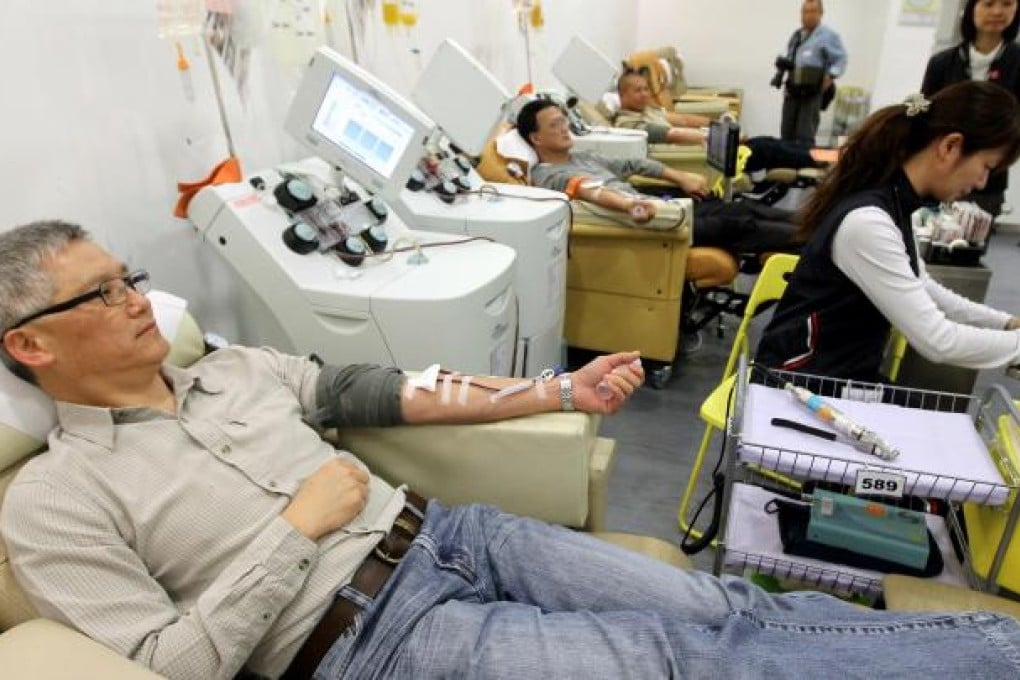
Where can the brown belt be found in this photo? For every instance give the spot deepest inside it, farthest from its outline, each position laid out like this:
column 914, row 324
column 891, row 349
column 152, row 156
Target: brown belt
column 368, row 580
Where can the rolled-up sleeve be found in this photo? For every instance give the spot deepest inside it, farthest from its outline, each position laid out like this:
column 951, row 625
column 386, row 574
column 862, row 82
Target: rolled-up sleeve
column 358, row 395
column 657, row 130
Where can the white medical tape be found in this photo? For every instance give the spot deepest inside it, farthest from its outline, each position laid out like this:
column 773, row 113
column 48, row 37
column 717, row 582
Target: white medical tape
column 447, row 391
column 465, row 390
column 426, row 380
column 540, row 389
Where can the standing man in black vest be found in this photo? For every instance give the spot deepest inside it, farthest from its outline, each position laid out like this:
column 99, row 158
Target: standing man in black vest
column 814, row 58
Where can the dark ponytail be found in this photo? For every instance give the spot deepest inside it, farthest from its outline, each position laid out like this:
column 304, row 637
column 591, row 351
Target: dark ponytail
column 986, row 114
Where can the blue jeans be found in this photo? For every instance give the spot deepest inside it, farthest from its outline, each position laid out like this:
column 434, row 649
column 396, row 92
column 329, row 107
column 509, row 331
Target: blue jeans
column 483, row 594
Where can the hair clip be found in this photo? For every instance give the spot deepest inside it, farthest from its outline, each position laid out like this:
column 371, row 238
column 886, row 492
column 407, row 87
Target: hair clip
column 916, row 104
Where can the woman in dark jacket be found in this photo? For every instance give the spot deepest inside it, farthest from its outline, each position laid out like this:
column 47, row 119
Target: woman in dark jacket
column 987, row 52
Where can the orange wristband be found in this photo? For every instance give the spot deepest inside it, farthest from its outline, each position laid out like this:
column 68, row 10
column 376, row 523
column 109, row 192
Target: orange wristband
column 574, row 186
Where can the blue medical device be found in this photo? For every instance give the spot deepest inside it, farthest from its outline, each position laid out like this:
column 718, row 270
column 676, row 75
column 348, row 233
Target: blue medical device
column 869, row 528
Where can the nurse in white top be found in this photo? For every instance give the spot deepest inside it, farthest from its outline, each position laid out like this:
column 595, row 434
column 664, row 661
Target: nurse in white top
column 860, row 273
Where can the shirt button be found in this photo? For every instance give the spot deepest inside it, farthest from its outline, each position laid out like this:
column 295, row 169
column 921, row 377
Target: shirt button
column 303, row 564
column 272, row 485
column 225, row 450
column 266, row 617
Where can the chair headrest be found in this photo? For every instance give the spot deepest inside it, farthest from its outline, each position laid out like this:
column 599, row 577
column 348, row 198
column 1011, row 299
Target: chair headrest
column 511, row 145
column 27, row 414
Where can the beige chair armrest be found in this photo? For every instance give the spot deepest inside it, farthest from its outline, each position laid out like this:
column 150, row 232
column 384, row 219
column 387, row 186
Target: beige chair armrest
column 910, row 594
column 676, row 153
column 656, row 548
column 45, row 650
column 540, row 466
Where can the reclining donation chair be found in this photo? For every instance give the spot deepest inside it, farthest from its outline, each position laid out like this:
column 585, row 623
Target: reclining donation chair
column 686, row 157
column 665, row 69
column 624, row 284
column 553, row 466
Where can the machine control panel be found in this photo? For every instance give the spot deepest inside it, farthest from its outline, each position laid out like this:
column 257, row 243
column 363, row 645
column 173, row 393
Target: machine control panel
column 328, row 218
column 445, row 173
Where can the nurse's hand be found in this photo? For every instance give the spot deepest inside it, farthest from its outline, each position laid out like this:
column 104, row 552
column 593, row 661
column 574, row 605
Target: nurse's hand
column 604, row 384
column 1014, row 324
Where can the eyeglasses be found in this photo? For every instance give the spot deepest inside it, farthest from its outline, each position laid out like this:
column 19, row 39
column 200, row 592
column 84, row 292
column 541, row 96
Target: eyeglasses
column 112, row 292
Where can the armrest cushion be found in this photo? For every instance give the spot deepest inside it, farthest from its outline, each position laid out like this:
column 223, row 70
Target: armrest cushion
column 910, row 594
column 536, row 466
column 45, row 649
column 674, row 217
column 674, row 153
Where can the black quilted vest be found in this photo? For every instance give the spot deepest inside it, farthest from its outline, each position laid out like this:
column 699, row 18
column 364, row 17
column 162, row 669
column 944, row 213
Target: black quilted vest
column 824, row 323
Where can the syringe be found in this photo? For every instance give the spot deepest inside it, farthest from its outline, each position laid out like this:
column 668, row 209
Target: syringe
column 860, row 437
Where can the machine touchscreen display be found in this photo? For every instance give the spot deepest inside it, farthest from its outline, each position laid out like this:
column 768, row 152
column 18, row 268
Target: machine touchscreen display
column 359, row 123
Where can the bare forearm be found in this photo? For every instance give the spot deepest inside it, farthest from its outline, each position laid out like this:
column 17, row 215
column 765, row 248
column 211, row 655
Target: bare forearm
column 607, row 198
column 694, row 185
column 689, row 120
column 685, row 135
column 469, row 399
column 677, row 177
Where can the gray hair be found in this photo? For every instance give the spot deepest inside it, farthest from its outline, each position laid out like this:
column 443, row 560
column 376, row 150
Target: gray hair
column 25, row 287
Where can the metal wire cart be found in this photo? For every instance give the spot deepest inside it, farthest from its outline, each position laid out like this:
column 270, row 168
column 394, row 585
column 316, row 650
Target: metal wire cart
column 966, row 466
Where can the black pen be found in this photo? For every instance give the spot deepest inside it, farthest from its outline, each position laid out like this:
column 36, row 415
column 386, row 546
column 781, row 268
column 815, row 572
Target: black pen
column 806, row 429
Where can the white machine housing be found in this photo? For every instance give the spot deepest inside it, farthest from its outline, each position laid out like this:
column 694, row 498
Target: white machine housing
column 460, row 94
column 458, row 309
column 614, row 142
column 467, row 102
column 589, row 74
column 584, row 70
column 537, row 231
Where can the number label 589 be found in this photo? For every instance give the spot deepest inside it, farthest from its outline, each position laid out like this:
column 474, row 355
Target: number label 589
column 872, row 483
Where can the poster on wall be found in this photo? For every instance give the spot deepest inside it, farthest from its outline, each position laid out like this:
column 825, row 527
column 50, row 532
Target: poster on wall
column 223, row 32
column 920, row 12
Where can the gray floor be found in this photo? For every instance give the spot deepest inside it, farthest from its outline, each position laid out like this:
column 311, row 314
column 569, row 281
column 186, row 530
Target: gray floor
column 659, row 431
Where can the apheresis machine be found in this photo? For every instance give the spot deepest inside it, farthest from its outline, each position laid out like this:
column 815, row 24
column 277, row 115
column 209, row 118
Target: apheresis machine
column 340, row 273
column 589, row 74
column 446, row 194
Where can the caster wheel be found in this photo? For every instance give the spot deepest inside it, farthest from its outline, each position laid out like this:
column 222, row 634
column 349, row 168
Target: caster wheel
column 658, row 377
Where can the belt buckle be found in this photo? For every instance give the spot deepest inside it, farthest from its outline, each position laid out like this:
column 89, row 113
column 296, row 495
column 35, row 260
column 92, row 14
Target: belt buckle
column 404, row 524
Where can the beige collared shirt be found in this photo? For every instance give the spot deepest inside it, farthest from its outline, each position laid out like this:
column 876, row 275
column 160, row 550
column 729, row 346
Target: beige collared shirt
column 161, row 535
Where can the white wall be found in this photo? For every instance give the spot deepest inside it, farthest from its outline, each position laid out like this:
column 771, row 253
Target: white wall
column 903, row 57
column 488, row 29
column 96, row 130
column 735, row 42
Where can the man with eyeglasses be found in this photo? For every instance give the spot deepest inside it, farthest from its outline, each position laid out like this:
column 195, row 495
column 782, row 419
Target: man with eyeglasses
column 738, row 227
column 195, row 521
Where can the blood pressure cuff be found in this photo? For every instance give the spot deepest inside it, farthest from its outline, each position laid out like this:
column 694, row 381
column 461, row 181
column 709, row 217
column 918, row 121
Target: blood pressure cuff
column 793, row 524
